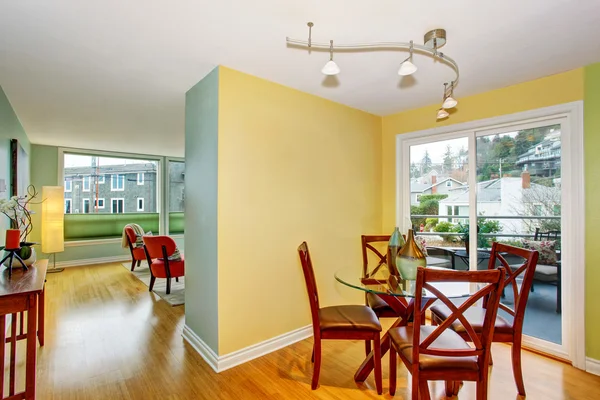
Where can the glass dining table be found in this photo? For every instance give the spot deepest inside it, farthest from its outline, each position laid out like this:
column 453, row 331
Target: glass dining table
column 399, row 295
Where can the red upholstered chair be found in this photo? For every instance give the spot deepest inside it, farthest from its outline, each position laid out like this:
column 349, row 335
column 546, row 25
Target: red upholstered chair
column 158, row 250
column 137, row 253
column 347, row 322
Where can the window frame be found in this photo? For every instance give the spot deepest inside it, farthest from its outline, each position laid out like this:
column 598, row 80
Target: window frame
column 112, row 199
column 101, row 179
column 139, row 181
column 89, row 204
column 112, row 181
column 70, row 202
column 89, row 183
column 70, row 189
column 98, row 200
column 137, row 204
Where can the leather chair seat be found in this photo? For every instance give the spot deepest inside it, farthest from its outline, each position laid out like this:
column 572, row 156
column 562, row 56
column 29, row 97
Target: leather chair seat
column 378, row 304
column 403, row 339
column 475, row 316
column 177, row 268
column 138, row 253
column 360, row 318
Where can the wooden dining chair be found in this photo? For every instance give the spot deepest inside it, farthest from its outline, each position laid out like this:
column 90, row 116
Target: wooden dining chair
column 438, row 352
column 346, row 322
column 506, row 331
column 369, row 243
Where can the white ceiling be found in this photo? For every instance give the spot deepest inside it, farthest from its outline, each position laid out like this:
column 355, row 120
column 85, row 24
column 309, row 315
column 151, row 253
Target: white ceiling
column 112, row 74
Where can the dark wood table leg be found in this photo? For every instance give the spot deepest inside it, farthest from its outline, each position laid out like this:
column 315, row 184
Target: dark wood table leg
column 31, row 348
column 13, row 353
column 41, row 310
column 2, row 351
column 405, row 311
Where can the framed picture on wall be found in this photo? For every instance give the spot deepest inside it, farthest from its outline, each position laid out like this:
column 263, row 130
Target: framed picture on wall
column 19, row 171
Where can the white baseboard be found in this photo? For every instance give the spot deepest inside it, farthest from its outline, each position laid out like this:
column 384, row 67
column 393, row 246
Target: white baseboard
column 592, row 366
column 222, row 363
column 89, row 261
column 202, row 348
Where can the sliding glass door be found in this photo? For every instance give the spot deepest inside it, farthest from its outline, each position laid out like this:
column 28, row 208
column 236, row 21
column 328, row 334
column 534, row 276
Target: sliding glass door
column 462, row 191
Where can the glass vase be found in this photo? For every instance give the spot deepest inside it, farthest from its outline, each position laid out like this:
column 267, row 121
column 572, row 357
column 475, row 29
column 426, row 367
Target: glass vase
column 409, row 258
column 396, row 242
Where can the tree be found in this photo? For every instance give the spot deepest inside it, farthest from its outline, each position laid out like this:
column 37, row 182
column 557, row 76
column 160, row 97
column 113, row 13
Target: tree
column 426, row 163
column 414, row 170
column 448, row 159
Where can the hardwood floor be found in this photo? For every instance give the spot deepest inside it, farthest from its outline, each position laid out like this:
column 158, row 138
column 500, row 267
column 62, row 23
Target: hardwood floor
column 107, row 337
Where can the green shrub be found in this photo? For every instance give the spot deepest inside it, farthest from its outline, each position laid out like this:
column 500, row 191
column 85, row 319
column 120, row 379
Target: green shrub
column 443, row 227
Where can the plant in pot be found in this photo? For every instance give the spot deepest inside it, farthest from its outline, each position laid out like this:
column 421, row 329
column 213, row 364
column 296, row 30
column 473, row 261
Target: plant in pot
column 16, row 209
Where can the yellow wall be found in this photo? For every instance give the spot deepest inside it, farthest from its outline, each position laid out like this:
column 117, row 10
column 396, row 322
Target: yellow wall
column 592, row 214
column 292, row 167
column 544, row 92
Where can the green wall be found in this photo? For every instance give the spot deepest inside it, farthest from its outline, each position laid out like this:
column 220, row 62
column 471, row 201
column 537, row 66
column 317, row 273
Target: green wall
column 592, row 212
column 201, row 157
column 10, row 128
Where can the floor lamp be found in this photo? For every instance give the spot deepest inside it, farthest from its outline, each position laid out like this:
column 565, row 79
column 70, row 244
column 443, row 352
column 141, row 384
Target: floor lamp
column 53, row 215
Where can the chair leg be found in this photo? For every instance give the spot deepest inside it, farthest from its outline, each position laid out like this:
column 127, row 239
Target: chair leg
column 367, row 347
column 517, row 369
column 392, row 370
column 482, row 390
column 415, row 387
column 317, row 363
column 449, row 388
column 168, row 285
column 152, row 280
column 176, row 279
column 377, row 361
column 132, row 264
column 424, row 390
column 312, row 356
column 139, row 262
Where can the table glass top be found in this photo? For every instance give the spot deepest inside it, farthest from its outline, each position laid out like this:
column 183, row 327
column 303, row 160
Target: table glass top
column 382, row 282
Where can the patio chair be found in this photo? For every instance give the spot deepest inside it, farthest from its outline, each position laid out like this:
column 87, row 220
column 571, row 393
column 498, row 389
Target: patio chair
column 506, row 331
column 345, row 322
column 440, row 353
column 548, row 269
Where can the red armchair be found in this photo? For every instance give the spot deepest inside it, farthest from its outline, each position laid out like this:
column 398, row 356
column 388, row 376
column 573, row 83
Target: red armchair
column 137, row 253
column 164, row 259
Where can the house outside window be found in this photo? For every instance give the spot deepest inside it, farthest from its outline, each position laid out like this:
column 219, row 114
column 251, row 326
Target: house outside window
column 86, row 206
column 140, row 204
column 101, row 179
column 117, row 206
column 68, row 185
column 448, row 183
column 418, row 198
column 68, row 203
column 99, row 203
column 85, row 183
column 117, row 182
column 140, row 178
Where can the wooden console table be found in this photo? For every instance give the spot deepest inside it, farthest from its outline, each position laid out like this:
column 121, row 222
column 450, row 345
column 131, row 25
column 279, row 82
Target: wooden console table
column 19, row 293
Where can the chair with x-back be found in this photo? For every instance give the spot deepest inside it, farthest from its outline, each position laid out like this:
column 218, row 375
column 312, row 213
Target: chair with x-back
column 507, row 330
column 438, row 352
column 343, row 322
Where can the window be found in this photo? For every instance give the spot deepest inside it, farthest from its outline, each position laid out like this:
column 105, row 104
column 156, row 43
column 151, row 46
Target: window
column 117, row 183
column 68, row 206
column 99, row 203
column 86, row 206
column 176, row 200
column 68, row 185
column 117, row 206
column 140, row 204
column 418, row 198
column 448, row 183
column 85, row 183
column 101, row 179
column 140, row 178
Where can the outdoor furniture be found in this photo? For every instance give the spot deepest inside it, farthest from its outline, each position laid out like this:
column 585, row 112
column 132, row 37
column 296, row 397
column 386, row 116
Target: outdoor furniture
column 351, row 322
column 163, row 259
column 506, row 331
column 390, row 288
column 137, row 252
column 549, row 273
column 438, row 352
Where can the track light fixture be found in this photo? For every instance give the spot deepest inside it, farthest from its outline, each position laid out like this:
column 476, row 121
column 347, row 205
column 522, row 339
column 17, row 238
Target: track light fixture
column 433, row 40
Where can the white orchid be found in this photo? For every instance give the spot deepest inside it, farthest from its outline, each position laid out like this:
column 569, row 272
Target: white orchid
column 16, row 210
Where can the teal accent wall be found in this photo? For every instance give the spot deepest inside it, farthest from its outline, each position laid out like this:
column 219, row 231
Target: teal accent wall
column 201, row 157
column 10, row 128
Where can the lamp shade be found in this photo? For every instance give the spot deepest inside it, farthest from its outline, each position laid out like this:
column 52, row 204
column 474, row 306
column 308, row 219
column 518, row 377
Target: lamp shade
column 407, row 68
column 441, row 114
column 331, row 68
column 53, row 219
column 450, row 102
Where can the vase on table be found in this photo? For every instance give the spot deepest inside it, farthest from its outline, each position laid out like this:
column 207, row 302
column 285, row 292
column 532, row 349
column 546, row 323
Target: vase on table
column 13, row 239
column 408, row 259
column 394, row 245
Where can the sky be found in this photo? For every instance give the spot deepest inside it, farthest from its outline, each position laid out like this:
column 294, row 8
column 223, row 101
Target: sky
column 438, row 149
column 76, row 160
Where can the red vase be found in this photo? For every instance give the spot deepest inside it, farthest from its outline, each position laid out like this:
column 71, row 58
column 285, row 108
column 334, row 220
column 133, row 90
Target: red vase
column 13, row 239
